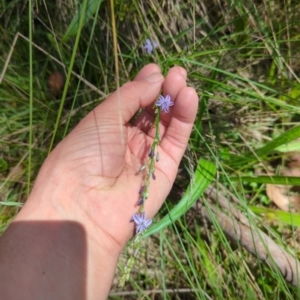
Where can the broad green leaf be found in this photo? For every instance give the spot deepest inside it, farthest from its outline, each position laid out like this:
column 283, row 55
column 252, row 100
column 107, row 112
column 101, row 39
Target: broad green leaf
column 295, row 92
column 277, row 215
column 285, row 138
column 75, row 25
column 290, row 147
column 204, row 175
column 283, row 180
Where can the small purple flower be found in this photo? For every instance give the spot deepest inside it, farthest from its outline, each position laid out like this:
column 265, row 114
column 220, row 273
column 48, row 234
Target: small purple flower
column 153, row 176
column 150, row 46
column 164, row 103
column 141, row 222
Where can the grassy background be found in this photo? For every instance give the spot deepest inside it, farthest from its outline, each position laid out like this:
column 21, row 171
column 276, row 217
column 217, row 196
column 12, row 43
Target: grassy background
column 242, row 58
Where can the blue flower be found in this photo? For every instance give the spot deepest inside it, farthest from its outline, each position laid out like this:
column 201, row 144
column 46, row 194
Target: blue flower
column 141, row 222
column 150, row 46
column 164, row 103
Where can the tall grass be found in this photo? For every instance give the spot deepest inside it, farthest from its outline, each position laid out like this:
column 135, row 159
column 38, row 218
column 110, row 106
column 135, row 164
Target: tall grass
column 241, row 57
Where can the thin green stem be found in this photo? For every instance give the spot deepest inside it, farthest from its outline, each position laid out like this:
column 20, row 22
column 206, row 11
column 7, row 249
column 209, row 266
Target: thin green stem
column 153, row 157
column 150, row 169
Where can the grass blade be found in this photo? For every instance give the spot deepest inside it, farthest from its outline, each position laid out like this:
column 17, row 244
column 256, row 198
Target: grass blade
column 75, row 25
column 292, row 219
column 283, row 180
column 285, row 138
column 204, row 175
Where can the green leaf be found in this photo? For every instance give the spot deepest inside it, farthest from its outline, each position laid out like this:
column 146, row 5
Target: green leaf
column 91, row 8
column 277, row 215
column 204, row 175
column 283, row 180
column 285, row 138
column 295, row 92
column 290, row 147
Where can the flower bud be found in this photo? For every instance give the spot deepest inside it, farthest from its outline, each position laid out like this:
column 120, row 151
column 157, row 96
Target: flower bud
column 141, row 189
column 142, row 168
column 141, row 201
column 151, row 153
column 157, row 157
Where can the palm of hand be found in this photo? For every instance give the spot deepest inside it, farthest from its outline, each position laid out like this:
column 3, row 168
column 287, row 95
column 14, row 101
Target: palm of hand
column 103, row 154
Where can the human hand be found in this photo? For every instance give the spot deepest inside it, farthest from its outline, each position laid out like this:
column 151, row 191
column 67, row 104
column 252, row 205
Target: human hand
column 92, row 175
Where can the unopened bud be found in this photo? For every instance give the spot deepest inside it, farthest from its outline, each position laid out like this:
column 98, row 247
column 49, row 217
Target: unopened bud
column 142, row 168
column 157, row 157
column 141, row 201
column 151, row 153
column 141, row 189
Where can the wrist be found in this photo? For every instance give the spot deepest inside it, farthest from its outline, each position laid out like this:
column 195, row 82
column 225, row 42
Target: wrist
column 60, row 205
column 68, row 240
column 54, row 260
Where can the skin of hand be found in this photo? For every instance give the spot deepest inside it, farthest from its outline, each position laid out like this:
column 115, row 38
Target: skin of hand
column 92, row 177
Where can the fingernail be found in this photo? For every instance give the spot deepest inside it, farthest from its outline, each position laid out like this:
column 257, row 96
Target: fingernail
column 181, row 70
column 154, row 77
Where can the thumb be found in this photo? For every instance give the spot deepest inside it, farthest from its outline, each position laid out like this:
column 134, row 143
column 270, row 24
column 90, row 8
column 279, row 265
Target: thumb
column 122, row 105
